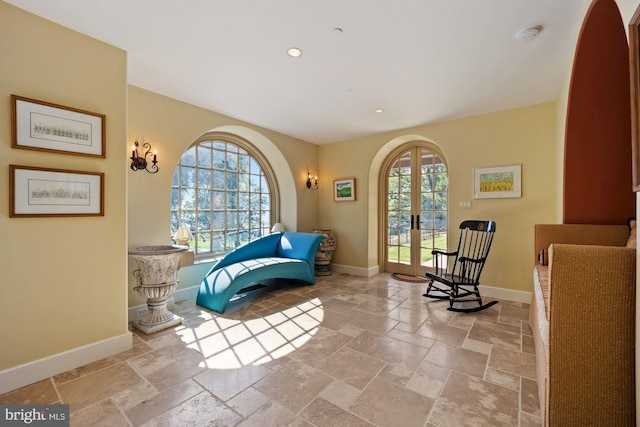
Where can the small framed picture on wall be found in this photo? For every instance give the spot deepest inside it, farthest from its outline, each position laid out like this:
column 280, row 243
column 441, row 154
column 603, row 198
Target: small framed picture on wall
column 344, row 190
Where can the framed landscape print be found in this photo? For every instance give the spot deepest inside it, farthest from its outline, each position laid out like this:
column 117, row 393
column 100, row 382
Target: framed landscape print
column 37, row 192
column 344, row 190
column 497, row 182
column 38, row 125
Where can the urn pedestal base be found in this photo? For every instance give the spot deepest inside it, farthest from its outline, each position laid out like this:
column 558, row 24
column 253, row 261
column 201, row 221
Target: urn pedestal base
column 150, row 329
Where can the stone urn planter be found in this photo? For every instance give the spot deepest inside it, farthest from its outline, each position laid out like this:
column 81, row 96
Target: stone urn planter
column 156, row 280
column 325, row 252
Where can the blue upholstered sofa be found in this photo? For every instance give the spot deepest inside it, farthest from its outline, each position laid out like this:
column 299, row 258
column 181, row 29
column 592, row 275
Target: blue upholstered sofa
column 288, row 255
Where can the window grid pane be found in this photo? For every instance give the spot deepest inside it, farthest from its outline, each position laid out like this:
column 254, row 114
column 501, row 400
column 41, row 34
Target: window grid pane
column 221, row 193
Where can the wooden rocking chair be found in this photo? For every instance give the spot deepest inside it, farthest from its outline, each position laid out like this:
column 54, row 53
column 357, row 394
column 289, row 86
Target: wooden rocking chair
column 459, row 279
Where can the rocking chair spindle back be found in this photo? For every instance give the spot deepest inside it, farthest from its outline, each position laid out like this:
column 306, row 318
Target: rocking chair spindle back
column 460, row 279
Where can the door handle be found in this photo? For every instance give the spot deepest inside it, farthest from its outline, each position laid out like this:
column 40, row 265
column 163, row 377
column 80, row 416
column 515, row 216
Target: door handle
column 412, row 221
column 418, row 223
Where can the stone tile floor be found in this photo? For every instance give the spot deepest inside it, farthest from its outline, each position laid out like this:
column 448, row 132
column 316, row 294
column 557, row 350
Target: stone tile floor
column 348, row 351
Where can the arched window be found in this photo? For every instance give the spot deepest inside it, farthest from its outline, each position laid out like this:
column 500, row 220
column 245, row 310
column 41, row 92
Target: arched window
column 225, row 192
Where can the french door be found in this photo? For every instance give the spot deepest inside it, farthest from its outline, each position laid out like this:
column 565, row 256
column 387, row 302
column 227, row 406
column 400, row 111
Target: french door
column 415, row 213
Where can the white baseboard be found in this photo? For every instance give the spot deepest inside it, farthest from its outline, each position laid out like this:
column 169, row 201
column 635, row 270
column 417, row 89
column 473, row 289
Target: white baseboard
column 505, row 294
column 355, row 271
column 38, row 370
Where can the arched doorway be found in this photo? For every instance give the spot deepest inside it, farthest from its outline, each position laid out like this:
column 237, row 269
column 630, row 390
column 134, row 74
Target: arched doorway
column 413, row 207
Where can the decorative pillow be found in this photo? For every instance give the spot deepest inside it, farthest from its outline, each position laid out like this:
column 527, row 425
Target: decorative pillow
column 632, row 242
column 543, row 257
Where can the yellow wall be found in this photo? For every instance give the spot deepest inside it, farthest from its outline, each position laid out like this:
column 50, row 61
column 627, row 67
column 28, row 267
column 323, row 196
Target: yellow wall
column 171, row 126
column 525, row 135
column 62, row 280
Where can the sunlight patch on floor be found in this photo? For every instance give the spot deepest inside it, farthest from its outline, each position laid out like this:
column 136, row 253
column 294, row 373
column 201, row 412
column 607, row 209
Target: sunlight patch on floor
column 230, row 343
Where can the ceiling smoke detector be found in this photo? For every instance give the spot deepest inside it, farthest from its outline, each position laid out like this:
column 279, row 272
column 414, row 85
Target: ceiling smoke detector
column 528, row 34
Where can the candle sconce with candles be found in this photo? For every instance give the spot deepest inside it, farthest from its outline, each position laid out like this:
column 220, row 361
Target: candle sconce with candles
column 140, row 162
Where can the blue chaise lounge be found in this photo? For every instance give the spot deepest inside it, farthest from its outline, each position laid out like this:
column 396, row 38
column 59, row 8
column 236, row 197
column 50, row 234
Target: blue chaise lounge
column 288, row 255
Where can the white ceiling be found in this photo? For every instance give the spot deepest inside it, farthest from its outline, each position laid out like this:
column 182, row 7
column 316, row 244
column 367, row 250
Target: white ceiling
column 423, row 61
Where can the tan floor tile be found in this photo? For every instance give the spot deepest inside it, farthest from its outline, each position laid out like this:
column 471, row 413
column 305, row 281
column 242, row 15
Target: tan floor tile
column 407, row 315
column 423, row 304
column 248, row 401
column 528, row 420
column 490, row 314
column 462, row 321
column 164, row 339
column 202, row 409
column 388, row 349
column 156, row 405
column 510, row 312
column 334, row 320
column 274, row 414
column 385, row 404
column 294, row 386
column 428, row 379
column 528, row 345
column 226, row 383
column 496, row 334
column 397, row 374
column 351, row 367
column 97, row 386
column 478, row 346
column 339, row 306
column 135, row 395
column 169, row 366
column 351, row 331
column 401, row 335
column 514, row 362
column 42, row 392
column 470, row 401
column 406, row 327
column 458, row 358
column 378, row 324
column 529, row 397
column 503, row 379
column 323, row 344
column 378, row 306
column 355, row 296
column 104, row 413
column 322, row 413
column 340, row 394
column 440, row 331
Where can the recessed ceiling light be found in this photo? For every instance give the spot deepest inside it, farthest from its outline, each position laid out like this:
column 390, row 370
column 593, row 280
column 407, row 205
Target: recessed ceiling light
column 294, row 52
column 379, row 110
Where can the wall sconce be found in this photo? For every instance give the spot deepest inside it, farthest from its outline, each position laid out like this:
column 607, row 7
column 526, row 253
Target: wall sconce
column 312, row 181
column 141, row 163
column 183, row 235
